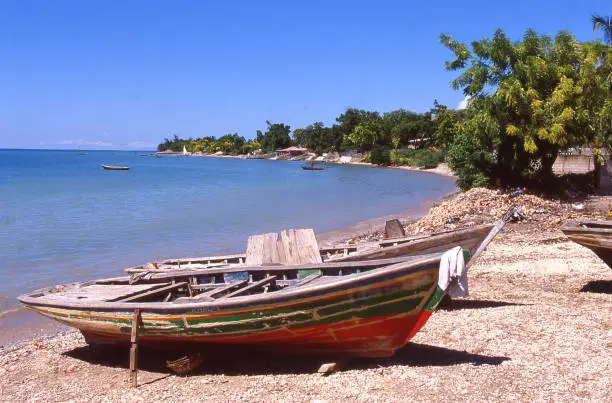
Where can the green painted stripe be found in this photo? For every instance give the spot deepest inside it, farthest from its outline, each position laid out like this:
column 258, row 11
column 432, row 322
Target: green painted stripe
column 434, row 300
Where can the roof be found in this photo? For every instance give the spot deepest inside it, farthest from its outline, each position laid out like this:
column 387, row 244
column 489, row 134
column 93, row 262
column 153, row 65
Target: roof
column 293, row 148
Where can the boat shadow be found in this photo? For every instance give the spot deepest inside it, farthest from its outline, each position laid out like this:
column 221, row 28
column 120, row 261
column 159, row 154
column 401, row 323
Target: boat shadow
column 448, row 304
column 424, row 355
column 236, row 362
column 598, row 286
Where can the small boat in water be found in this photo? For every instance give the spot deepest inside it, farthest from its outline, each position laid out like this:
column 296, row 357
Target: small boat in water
column 364, row 308
column 115, row 167
column 595, row 235
column 312, row 167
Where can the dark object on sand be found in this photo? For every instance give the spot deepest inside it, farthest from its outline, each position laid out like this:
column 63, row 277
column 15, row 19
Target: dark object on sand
column 595, row 235
column 394, row 229
column 115, row 167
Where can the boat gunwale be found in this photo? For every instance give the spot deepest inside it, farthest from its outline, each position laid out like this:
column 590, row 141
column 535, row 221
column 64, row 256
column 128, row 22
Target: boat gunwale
column 413, row 266
column 575, row 227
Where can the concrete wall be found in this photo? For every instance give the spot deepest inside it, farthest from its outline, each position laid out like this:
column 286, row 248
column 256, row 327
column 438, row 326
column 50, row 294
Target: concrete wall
column 573, row 164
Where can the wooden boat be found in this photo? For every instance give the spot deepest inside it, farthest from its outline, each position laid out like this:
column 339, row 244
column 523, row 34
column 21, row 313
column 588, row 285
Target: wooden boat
column 366, row 308
column 115, row 167
column 312, row 167
column 468, row 238
column 595, row 235
column 369, row 308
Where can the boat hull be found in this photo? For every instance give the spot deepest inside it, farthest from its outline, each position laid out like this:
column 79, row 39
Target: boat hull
column 595, row 235
column 372, row 315
column 115, row 168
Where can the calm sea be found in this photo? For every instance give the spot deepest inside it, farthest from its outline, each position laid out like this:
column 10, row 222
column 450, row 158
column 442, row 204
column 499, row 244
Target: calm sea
column 63, row 218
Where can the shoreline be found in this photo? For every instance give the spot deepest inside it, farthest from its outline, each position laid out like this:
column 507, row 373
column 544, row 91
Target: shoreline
column 442, row 169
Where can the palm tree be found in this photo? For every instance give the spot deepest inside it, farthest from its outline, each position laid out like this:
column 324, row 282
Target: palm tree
column 604, row 24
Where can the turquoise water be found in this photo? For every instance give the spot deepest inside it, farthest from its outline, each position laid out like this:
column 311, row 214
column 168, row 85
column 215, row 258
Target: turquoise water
column 64, row 218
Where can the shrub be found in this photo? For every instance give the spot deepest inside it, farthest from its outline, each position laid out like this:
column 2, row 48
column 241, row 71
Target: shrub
column 380, row 156
column 422, row 158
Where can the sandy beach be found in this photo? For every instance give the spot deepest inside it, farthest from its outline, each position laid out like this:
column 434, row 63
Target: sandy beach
column 535, row 327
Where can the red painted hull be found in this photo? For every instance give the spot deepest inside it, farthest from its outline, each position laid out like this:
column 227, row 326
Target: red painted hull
column 375, row 337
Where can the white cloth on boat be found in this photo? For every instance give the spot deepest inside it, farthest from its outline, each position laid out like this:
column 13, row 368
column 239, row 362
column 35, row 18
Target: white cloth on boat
column 452, row 276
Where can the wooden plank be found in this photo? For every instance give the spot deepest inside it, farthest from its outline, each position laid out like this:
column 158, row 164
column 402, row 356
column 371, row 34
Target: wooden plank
column 280, row 250
column 207, row 286
column 221, row 290
column 103, row 292
column 250, row 287
column 331, row 266
column 131, row 290
column 307, row 247
column 394, row 229
column 261, row 249
column 134, row 349
column 151, row 293
column 300, row 246
column 298, row 283
column 270, row 252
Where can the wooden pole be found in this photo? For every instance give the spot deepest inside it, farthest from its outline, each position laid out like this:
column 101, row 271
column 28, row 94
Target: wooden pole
column 134, row 349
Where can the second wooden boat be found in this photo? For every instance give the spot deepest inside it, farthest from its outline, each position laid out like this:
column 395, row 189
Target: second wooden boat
column 468, row 238
column 595, row 235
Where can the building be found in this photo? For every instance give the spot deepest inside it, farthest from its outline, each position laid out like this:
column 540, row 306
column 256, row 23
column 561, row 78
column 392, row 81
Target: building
column 290, row 152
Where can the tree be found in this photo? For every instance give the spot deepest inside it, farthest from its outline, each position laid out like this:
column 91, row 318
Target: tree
column 446, row 124
column 365, row 135
column 530, row 98
column 315, row 137
column 277, row 136
column 603, row 24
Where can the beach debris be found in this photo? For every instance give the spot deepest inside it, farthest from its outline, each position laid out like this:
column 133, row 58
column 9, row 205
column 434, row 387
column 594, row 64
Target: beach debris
column 480, row 205
column 186, row 364
column 331, row 367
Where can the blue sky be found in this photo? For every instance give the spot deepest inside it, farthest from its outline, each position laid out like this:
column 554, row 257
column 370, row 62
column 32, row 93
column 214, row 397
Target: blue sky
column 125, row 74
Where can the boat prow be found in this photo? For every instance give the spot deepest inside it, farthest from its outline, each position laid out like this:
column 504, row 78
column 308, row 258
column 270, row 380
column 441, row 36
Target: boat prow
column 595, row 235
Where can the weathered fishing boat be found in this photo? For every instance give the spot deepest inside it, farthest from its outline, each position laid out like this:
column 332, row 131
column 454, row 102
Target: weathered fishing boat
column 115, row 167
column 366, row 308
column 595, row 235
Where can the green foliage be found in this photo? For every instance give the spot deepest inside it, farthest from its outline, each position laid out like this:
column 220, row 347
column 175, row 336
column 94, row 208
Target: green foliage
column 277, row 136
column 466, row 158
column 380, row 156
column 365, row 135
column 447, row 125
column 230, row 144
column 603, row 24
column 528, row 99
column 420, row 158
column 315, row 137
